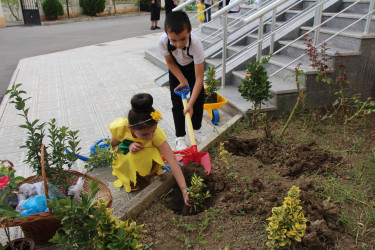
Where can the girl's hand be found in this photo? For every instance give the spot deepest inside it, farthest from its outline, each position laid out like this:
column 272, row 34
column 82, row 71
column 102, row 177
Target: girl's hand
column 135, row 147
column 186, row 197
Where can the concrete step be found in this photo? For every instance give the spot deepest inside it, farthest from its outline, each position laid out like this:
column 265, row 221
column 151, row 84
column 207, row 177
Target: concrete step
column 299, row 48
column 154, row 56
column 279, row 85
column 234, row 98
column 361, row 7
column 345, row 20
column 346, row 39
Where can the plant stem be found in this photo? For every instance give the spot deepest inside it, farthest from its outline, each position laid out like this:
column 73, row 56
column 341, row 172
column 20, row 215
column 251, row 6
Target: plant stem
column 299, row 98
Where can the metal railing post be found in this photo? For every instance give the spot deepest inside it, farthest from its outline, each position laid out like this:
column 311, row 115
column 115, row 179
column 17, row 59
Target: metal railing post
column 272, row 30
column 224, row 57
column 369, row 17
column 260, row 38
column 318, row 21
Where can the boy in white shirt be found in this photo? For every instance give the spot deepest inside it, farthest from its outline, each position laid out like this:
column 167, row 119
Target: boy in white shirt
column 184, row 55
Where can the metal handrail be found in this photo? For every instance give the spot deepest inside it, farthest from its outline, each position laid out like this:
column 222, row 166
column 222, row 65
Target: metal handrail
column 259, row 41
column 227, row 8
column 232, row 24
column 264, row 11
column 316, row 28
column 183, row 5
column 251, row 31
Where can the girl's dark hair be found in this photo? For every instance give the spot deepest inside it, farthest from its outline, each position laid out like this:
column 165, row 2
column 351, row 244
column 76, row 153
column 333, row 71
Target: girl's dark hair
column 140, row 112
column 177, row 22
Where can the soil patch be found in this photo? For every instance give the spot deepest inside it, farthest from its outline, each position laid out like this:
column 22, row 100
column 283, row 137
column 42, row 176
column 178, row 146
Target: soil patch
column 260, row 173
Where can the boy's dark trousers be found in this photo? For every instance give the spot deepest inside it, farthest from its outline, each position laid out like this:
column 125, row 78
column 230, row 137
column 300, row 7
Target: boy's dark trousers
column 178, row 108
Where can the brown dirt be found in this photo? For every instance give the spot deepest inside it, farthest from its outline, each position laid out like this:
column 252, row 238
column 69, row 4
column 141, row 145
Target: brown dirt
column 260, row 174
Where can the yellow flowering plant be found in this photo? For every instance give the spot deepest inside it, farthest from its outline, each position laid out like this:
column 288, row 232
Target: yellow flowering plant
column 91, row 225
column 224, row 155
column 287, row 223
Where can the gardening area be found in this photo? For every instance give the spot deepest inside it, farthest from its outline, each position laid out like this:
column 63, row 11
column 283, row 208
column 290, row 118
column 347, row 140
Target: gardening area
column 304, row 180
column 252, row 171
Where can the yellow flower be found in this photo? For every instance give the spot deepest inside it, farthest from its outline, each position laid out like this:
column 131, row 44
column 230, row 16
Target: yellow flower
column 156, row 115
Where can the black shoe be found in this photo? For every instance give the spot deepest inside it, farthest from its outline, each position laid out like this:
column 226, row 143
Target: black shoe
column 157, row 28
column 152, row 28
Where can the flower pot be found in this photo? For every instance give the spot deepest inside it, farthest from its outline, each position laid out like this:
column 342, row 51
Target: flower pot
column 22, row 244
column 211, row 98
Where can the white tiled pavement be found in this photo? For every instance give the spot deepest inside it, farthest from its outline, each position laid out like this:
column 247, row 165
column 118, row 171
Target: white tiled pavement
column 85, row 89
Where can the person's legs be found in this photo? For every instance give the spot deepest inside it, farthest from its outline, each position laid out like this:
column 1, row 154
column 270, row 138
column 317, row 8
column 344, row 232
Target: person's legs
column 208, row 13
column 196, row 119
column 177, row 107
column 156, row 25
column 205, row 14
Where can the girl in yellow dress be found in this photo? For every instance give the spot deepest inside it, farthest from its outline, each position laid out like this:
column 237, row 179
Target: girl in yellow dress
column 200, row 8
column 141, row 142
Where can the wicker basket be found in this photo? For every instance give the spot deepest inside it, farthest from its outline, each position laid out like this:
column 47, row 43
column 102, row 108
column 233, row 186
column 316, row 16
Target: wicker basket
column 41, row 227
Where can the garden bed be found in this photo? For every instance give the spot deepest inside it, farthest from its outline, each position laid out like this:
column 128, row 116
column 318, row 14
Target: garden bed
column 336, row 176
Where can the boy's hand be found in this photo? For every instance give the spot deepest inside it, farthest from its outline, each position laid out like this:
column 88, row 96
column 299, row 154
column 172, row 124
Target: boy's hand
column 181, row 85
column 189, row 109
column 135, row 147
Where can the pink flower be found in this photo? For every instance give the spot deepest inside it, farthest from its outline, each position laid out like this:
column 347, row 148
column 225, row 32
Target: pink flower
column 4, row 181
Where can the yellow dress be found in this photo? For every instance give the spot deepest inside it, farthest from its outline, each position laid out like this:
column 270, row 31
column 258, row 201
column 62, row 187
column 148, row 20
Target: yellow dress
column 126, row 166
column 200, row 8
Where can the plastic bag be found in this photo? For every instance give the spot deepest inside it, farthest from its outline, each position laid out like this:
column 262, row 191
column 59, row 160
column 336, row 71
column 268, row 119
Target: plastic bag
column 21, row 200
column 38, row 189
column 35, row 204
column 75, row 190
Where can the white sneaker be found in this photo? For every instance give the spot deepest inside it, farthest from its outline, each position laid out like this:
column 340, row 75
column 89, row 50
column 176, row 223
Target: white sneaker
column 199, row 136
column 180, row 143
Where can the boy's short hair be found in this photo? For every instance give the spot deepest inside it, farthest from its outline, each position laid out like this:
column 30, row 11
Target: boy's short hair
column 176, row 22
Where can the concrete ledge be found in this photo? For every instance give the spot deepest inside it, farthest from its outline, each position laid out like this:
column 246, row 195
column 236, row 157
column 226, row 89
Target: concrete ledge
column 144, row 199
column 166, row 181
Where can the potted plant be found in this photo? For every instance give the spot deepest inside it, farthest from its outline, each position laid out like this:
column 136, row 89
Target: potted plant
column 211, row 86
column 8, row 200
column 63, row 151
column 90, row 225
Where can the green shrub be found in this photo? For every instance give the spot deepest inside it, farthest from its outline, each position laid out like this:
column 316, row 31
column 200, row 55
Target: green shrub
column 91, row 225
column 52, row 9
column 197, row 193
column 145, row 5
column 91, row 7
column 287, row 223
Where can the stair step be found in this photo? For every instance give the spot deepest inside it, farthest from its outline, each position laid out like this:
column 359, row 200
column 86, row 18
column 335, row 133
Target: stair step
column 346, row 33
column 162, row 80
column 346, row 15
column 281, row 61
column 238, row 48
column 279, row 85
column 234, row 98
column 214, row 61
column 154, row 56
column 331, row 50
